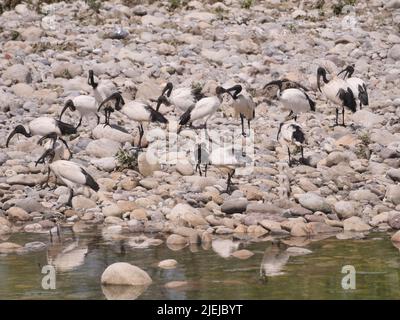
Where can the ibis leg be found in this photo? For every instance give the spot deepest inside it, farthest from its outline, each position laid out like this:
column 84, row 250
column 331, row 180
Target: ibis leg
column 343, row 117
column 337, row 116
column 229, row 181
column 242, row 122
column 248, row 124
column 302, row 154
column 66, row 145
column 141, row 132
column 79, row 123
column 98, row 119
column 205, row 170
column 290, row 160
column 71, row 194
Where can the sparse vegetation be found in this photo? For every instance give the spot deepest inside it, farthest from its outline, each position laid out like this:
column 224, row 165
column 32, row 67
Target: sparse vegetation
column 95, row 5
column 14, row 35
column 292, row 27
column 362, row 150
column 6, row 5
column 174, row 4
column 66, row 74
column 127, row 159
column 337, row 8
column 365, row 138
column 246, row 4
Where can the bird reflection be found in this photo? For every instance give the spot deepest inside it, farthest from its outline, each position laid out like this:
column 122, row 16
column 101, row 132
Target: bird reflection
column 274, row 259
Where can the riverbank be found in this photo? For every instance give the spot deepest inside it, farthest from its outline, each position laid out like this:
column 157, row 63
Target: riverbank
column 349, row 188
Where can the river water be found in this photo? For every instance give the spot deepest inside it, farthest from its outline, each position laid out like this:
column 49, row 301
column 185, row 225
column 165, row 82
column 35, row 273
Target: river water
column 210, row 272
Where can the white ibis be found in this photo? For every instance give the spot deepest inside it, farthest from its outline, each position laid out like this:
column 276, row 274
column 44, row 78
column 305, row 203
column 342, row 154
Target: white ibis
column 70, row 173
column 243, row 105
column 227, row 160
column 294, row 100
column 357, row 85
column 203, row 109
column 182, row 98
column 42, row 126
column 84, row 105
column 337, row 91
column 292, row 135
column 271, row 88
column 135, row 110
column 102, row 90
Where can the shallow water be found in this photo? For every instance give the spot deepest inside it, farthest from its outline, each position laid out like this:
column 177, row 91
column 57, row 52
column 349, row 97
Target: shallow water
column 209, row 274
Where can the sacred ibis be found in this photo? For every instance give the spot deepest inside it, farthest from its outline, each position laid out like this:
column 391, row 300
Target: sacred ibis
column 181, row 98
column 294, row 100
column 70, row 173
column 337, row 91
column 203, row 109
column 357, row 85
column 102, row 90
column 292, row 135
column 42, row 126
column 243, row 105
column 135, row 110
column 84, row 105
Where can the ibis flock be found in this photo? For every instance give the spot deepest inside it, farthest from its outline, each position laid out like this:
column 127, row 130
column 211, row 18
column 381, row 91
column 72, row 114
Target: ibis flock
column 346, row 92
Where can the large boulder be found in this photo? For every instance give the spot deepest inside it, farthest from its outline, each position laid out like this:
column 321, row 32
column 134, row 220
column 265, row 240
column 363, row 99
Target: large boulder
column 18, row 214
column 355, row 224
column 103, row 148
column 234, row 205
column 345, row 209
column 122, row 273
column 314, row 202
column 393, row 194
column 147, row 164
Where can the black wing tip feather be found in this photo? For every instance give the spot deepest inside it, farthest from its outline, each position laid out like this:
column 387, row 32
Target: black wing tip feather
column 363, row 94
column 298, row 134
column 198, row 95
column 90, row 181
column 348, row 99
column 185, row 117
column 311, row 102
column 156, row 116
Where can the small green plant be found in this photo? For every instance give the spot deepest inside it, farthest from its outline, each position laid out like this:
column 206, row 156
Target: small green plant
column 292, row 27
column 127, row 159
column 362, row 150
column 246, row 4
column 66, row 74
column 174, row 4
column 14, row 35
column 95, row 5
column 320, row 4
column 337, row 8
column 365, row 138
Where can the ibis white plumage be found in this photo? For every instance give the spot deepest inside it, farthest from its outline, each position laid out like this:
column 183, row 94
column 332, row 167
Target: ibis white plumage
column 135, row 110
column 42, row 126
column 226, row 159
column 294, row 100
column 357, row 85
column 243, row 105
column 70, row 173
column 182, row 98
column 203, row 109
column 102, row 90
column 292, row 134
column 337, row 91
column 84, row 105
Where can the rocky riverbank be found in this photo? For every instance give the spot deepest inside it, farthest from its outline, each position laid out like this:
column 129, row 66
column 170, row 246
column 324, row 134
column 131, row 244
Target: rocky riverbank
column 349, row 188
